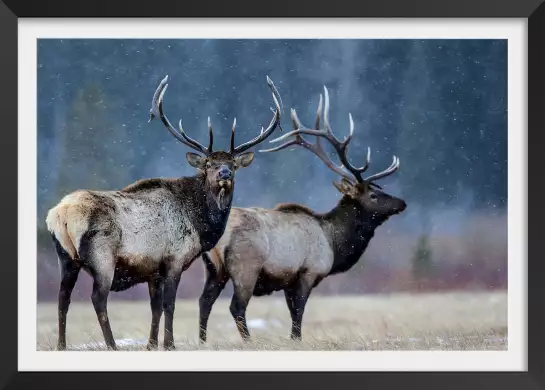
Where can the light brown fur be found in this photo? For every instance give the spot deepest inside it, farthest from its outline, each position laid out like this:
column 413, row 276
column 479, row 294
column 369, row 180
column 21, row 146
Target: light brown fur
column 217, row 261
column 255, row 235
column 68, row 220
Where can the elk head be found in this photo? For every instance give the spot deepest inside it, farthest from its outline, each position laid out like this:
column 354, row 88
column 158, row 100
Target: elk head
column 364, row 191
column 218, row 167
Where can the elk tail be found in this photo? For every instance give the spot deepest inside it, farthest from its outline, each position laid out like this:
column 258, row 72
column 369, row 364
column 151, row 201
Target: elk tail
column 57, row 224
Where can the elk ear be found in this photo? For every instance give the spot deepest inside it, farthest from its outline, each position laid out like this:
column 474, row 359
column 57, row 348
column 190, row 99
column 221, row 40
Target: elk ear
column 344, row 187
column 195, row 160
column 244, row 159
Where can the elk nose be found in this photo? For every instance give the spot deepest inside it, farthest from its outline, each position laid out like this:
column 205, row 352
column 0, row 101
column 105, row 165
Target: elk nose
column 225, row 174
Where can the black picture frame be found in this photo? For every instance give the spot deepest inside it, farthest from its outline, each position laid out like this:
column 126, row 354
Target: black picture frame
column 532, row 10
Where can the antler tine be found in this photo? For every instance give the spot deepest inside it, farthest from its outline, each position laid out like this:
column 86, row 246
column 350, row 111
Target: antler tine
column 280, row 147
column 327, row 126
column 191, row 141
column 211, row 141
column 317, row 126
column 387, row 172
column 157, row 111
column 318, row 115
column 232, row 148
column 264, row 133
column 349, row 166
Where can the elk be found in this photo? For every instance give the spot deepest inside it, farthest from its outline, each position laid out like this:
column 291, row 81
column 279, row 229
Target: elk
column 151, row 230
column 291, row 247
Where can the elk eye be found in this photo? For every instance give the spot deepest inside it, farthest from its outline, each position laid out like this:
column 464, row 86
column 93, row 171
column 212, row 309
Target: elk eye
column 373, row 196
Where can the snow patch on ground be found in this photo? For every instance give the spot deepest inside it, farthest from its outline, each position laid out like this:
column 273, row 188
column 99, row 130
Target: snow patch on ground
column 102, row 344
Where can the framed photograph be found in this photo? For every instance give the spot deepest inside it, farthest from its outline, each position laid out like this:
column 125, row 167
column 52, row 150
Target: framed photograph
column 311, row 194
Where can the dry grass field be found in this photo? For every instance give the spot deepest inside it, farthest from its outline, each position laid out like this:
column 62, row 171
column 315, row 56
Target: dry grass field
column 449, row 321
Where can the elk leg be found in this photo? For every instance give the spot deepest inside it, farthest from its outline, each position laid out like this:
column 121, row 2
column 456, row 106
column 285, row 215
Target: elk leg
column 155, row 287
column 239, row 303
column 170, row 288
column 296, row 297
column 96, row 256
column 101, row 289
column 69, row 275
column 212, row 289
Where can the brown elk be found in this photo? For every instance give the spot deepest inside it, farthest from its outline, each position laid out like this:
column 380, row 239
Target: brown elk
column 291, row 247
column 150, row 231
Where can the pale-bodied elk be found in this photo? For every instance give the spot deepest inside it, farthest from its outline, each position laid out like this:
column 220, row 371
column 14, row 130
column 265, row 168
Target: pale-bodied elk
column 291, row 247
column 150, row 231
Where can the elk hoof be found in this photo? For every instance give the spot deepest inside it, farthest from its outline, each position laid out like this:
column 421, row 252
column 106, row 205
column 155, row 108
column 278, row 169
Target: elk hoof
column 169, row 346
column 152, row 346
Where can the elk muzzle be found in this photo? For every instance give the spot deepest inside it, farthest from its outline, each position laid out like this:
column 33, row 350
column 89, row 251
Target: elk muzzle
column 225, row 174
column 402, row 205
column 224, row 178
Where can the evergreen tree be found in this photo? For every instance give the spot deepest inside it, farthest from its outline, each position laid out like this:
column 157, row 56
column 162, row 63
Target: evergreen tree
column 422, row 259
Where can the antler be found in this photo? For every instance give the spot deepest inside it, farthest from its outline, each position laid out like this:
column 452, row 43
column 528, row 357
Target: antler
column 157, row 110
column 388, row 171
column 315, row 148
column 264, row 133
column 340, row 146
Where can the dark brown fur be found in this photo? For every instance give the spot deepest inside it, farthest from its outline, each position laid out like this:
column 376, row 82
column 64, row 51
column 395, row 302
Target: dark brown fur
column 295, row 208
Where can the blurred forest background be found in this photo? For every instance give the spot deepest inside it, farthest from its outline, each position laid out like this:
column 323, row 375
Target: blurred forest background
column 439, row 105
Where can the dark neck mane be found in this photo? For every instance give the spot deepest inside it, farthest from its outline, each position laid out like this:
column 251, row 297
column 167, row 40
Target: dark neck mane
column 208, row 219
column 349, row 228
